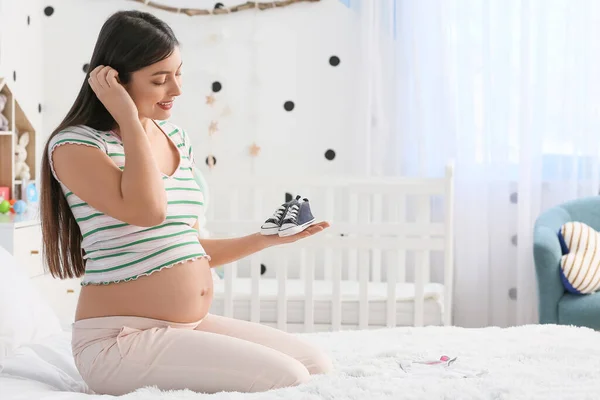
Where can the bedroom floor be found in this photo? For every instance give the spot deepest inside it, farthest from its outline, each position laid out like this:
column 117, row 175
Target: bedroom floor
column 550, row 362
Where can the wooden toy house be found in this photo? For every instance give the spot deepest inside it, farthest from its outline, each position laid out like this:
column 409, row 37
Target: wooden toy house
column 18, row 123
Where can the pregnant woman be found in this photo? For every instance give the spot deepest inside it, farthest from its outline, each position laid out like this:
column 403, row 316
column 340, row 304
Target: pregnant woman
column 118, row 189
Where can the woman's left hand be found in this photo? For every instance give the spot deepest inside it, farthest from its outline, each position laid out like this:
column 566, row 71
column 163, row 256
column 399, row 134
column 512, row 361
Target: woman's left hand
column 311, row 230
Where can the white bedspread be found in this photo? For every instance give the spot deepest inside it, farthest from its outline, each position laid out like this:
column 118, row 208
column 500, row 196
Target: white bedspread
column 529, row 362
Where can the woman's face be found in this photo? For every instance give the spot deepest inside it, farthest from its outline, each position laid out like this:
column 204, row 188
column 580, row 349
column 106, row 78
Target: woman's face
column 155, row 87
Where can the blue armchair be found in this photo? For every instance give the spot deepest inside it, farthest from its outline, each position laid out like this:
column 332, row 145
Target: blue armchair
column 557, row 306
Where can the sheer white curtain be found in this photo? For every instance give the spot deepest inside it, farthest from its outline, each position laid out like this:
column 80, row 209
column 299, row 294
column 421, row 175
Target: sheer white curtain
column 509, row 90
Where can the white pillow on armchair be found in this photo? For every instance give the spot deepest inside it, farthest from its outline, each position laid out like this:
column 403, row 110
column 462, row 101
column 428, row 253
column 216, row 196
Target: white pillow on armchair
column 24, row 316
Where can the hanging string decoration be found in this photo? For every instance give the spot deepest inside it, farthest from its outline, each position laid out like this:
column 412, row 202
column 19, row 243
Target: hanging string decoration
column 252, row 105
column 249, row 5
column 213, row 127
column 254, row 150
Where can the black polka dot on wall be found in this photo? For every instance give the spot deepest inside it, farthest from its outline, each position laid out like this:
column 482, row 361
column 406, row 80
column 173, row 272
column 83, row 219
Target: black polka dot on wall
column 39, row 107
column 219, row 5
column 214, row 160
column 85, row 67
column 288, row 197
column 334, row 61
column 330, row 154
column 15, row 76
column 263, row 269
column 289, row 105
column 514, row 240
column 216, row 86
column 49, row 11
column 28, row 20
column 512, row 293
column 514, row 197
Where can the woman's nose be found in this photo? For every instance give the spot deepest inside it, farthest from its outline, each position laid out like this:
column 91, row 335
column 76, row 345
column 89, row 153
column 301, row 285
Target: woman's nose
column 175, row 89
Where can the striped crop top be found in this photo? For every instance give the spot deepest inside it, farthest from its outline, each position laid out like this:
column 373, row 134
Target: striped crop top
column 115, row 251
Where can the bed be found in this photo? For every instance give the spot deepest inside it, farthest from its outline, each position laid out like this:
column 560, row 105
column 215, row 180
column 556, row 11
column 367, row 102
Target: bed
column 549, row 362
column 535, row 361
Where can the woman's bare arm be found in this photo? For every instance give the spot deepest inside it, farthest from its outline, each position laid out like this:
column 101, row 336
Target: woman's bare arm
column 135, row 195
column 225, row 251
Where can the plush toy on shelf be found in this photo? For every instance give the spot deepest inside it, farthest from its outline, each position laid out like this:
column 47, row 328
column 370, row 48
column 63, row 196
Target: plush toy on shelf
column 21, row 167
column 4, row 125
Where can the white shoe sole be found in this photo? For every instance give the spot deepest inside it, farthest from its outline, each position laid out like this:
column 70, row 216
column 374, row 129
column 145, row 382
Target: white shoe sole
column 296, row 229
column 269, row 231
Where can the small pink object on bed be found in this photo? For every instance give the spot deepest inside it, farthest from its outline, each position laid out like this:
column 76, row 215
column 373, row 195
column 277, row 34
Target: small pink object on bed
column 443, row 360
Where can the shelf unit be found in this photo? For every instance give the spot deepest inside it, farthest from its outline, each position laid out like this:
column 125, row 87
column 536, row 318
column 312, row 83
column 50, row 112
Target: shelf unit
column 18, row 123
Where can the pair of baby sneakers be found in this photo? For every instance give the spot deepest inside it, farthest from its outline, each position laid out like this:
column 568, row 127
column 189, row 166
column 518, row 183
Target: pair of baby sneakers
column 289, row 219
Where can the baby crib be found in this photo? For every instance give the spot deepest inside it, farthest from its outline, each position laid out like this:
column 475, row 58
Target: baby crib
column 386, row 260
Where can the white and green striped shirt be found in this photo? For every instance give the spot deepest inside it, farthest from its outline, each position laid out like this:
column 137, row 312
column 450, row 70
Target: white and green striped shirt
column 116, row 251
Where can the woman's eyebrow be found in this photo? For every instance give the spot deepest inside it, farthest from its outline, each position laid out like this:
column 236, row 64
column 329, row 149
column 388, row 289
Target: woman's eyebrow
column 166, row 72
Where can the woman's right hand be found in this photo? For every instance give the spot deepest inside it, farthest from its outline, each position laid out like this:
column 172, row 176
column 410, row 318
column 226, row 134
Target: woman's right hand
column 104, row 82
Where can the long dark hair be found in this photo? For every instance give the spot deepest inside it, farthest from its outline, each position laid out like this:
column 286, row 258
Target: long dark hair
column 127, row 42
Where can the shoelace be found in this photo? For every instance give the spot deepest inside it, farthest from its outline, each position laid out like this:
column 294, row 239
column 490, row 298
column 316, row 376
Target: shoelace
column 279, row 213
column 292, row 212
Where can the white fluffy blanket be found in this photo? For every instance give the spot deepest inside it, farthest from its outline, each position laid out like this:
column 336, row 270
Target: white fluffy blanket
column 528, row 362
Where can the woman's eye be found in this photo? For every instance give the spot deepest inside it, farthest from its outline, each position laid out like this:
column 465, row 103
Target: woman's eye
column 159, row 83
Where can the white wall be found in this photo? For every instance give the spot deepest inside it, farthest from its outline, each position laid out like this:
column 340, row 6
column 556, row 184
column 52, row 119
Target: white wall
column 262, row 60
column 265, row 59
column 22, row 56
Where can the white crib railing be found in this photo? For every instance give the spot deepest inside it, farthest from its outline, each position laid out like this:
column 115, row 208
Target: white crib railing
column 375, row 224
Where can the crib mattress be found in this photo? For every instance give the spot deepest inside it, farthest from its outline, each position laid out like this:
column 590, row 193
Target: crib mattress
column 350, row 295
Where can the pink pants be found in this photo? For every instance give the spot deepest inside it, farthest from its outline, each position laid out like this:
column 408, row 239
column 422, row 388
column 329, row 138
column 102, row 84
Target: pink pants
column 117, row 355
